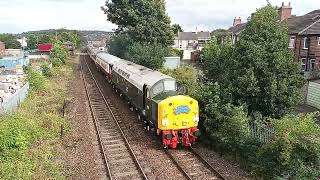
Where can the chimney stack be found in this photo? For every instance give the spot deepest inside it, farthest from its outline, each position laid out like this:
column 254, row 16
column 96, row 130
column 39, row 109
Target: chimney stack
column 285, row 11
column 236, row 21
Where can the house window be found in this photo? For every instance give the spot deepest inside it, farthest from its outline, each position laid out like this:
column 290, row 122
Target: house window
column 303, row 64
column 319, row 40
column 312, row 64
column 306, row 43
column 291, row 43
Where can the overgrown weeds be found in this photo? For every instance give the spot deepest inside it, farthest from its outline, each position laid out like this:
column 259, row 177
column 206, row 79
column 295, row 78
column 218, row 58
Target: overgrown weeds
column 29, row 137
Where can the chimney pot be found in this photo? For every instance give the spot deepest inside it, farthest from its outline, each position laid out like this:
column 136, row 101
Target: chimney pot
column 285, row 11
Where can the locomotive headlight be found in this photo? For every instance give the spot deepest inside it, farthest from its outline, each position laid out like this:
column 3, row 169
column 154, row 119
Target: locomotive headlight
column 165, row 122
column 196, row 119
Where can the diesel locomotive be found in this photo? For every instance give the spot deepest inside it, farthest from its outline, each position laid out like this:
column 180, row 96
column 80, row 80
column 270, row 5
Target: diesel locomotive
column 155, row 96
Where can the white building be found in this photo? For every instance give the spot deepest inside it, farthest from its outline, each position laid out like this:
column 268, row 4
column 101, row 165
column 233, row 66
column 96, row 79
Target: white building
column 23, row 42
column 189, row 42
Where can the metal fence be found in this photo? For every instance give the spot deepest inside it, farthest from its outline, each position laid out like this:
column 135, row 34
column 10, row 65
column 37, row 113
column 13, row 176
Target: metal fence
column 261, row 132
column 15, row 100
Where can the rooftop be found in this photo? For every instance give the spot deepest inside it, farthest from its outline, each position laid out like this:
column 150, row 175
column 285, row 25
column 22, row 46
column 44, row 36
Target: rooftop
column 193, row 35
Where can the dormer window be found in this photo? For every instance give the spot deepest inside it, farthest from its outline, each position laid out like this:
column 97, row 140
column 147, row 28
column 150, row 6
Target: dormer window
column 306, row 43
column 292, row 41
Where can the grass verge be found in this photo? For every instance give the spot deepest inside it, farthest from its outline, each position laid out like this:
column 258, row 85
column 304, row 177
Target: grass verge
column 30, row 145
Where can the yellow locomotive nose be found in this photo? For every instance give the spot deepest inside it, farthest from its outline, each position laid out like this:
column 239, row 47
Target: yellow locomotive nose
column 178, row 112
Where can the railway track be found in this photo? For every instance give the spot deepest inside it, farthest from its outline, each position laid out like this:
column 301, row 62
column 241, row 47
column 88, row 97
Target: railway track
column 119, row 159
column 192, row 165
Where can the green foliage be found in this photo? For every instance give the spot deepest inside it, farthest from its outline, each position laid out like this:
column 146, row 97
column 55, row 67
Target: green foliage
column 36, row 79
column 260, row 70
column 176, row 28
column 34, row 40
column 186, row 76
column 62, row 35
column 143, row 20
column 225, row 124
column 29, row 137
column 148, row 55
column 219, row 34
column 46, row 70
column 119, row 45
column 59, row 53
column 10, row 41
column 294, row 152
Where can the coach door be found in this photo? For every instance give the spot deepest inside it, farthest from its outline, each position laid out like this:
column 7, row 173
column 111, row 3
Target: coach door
column 145, row 96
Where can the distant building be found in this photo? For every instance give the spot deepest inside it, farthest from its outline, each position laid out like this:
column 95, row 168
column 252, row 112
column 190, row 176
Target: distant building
column 304, row 40
column 13, row 53
column 70, row 47
column 45, row 48
column 191, row 40
column 23, row 42
column 2, row 48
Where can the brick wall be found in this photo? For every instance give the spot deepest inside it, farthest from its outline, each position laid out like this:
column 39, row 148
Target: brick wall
column 313, row 52
column 2, row 48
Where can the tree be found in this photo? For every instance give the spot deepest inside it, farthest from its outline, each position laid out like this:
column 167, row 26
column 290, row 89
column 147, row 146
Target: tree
column 59, row 53
column 176, row 28
column 260, row 71
column 144, row 20
column 148, row 55
column 10, row 41
column 119, row 45
column 219, row 34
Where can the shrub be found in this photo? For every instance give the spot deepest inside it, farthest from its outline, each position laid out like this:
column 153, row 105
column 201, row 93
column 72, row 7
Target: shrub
column 186, row 76
column 294, row 152
column 36, row 80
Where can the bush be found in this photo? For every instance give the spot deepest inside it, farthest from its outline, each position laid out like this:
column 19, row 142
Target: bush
column 294, row 152
column 225, row 125
column 186, row 76
column 36, row 80
column 148, row 55
column 46, row 70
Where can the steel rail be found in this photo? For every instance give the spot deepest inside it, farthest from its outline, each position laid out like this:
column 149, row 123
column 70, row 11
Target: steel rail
column 96, row 125
column 119, row 127
column 185, row 174
column 205, row 162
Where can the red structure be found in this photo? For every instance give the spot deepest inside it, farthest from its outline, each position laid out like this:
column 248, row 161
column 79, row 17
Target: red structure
column 46, row 47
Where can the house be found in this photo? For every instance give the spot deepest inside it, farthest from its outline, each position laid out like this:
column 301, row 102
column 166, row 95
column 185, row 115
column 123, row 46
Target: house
column 189, row 42
column 2, row 48
column 304, row 41
column 304, row 37
column 70, row 47
column 23, row 42
column 45, row 48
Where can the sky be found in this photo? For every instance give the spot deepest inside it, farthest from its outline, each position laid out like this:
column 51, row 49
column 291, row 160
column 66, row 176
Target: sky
column 18, row 16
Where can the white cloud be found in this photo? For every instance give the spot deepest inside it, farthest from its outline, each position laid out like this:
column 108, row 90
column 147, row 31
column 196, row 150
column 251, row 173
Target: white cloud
column 22, row 15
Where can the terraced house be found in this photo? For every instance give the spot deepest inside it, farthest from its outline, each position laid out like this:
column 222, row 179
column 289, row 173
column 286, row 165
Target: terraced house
column 304, row 40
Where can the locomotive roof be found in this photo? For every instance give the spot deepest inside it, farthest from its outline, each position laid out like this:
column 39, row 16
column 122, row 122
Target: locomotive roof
column 134, row 73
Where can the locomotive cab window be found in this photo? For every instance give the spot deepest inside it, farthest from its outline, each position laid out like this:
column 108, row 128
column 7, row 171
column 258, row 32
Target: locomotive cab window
column 167, row 85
